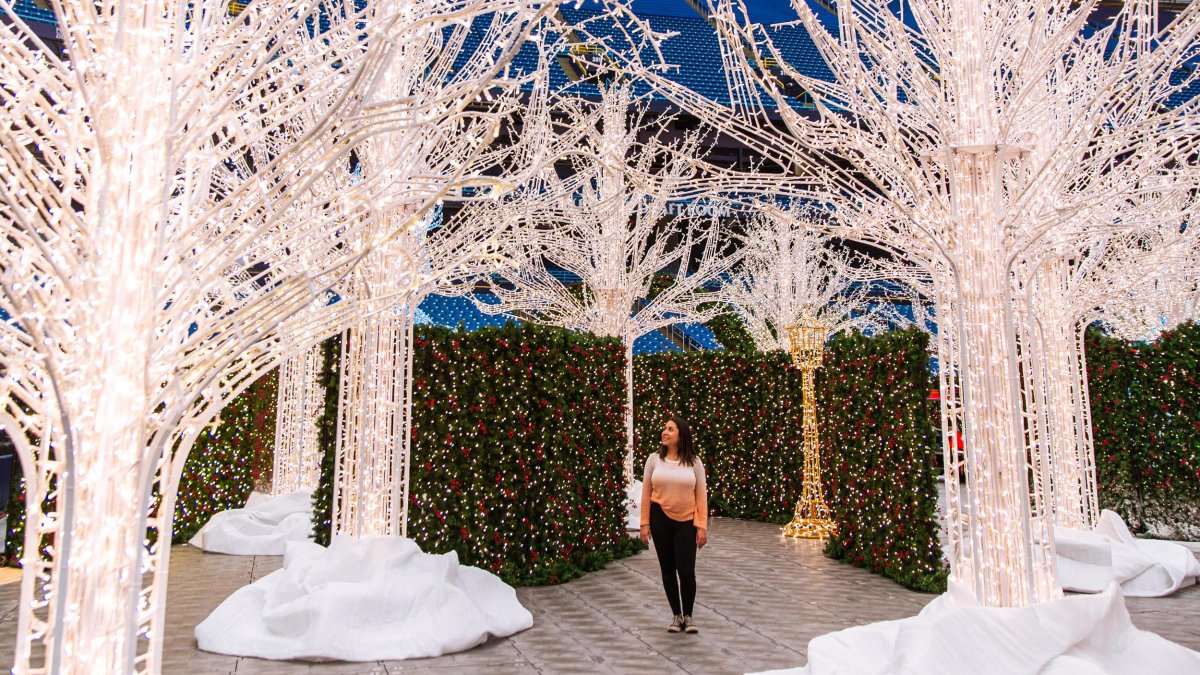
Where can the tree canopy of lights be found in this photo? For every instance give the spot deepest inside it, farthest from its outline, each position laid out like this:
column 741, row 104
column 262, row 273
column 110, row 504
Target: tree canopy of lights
column 153, row 266
column 607, row 223
column 989, row 135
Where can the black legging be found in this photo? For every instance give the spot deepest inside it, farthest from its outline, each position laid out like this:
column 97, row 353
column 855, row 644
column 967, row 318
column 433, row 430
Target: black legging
column 675, row 543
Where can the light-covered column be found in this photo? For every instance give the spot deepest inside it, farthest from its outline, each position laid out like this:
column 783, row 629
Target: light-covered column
column 301, row 401
column 1008, row 556
column 370, row 487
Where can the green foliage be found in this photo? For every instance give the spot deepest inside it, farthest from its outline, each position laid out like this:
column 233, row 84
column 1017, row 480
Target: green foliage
column 518, row 445
column 331, row 359
column 1146, row 427
column 227, row 461
column 877, row 436
column 731, row 332
column 14, row 536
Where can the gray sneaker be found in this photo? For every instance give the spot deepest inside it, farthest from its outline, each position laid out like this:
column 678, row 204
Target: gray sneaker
column 689, row 626
column 677, row 624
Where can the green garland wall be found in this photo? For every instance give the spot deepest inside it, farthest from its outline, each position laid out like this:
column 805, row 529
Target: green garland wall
column 1146, row 427
column 331, row 359
column 877, row 435
column 880, row 428
column 518, row 444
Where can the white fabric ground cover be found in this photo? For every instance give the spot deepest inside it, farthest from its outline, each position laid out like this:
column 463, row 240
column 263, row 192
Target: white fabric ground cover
column 953, row 635
column 263, row 527
column 1089, row 561
column 370, row 599
column 633, row 505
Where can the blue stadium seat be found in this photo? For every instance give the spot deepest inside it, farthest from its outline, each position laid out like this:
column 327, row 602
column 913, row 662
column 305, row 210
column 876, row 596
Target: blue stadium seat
column 651, row 343
column 28, row 10
column 450, row 311
column 701, row 334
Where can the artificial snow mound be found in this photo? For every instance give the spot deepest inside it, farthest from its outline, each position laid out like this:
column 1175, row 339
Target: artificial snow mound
column 953, row 635
column 263, row 527
column 370, row 599
column 1089, row 561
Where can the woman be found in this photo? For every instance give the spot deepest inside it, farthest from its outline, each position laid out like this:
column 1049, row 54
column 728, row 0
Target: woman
column 675, row 513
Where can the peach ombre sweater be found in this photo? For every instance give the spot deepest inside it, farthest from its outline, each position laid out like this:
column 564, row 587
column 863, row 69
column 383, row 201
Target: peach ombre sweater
column 678, row 489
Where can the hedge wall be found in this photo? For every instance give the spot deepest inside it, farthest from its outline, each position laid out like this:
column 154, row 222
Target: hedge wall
column 877, row 435
column 331, row 359
column 227, row 462
column 517, row 451
column 1146, row 426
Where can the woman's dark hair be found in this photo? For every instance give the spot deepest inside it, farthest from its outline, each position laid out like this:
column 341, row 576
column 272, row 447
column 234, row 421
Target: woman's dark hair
column 687, row 450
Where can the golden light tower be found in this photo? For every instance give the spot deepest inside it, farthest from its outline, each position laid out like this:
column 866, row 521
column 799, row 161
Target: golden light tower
column 812, row 521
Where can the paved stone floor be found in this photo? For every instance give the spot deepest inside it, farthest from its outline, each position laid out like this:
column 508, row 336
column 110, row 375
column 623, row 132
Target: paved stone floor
column 761, row 599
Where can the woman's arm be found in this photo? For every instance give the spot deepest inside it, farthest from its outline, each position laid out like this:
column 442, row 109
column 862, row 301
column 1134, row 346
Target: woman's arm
column 644, row 514
column 701, row 517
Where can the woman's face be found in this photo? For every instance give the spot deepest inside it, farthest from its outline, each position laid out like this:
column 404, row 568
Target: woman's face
column 670, row 435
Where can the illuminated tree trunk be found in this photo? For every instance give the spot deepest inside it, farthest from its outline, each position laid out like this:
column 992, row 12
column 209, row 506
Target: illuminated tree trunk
column 103, row 532
column 630, row 476
column 1060, row 404
column 106, row 392
column 370, row 481
column 297, row 462
column 1008, row 555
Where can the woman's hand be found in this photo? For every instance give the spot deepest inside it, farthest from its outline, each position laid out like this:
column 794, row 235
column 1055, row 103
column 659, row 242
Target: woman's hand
column 645, row 535
column 701, row 537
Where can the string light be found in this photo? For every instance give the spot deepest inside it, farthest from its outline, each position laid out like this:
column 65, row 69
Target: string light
column 297, row 457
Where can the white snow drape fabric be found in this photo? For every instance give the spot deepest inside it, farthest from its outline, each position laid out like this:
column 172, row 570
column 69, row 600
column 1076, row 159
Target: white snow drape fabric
column 369, row 599
column 1089, row 561
column 954, row 635
column 633, row 505
column 263, row 527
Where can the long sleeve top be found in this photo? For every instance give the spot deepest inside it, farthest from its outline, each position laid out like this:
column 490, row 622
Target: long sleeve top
column 680, row 490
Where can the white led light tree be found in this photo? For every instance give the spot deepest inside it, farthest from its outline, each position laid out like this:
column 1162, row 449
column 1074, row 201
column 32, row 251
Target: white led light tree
column 1152, row 287
column 300, row 400
column 1062, row 294
column 789, row 271
column 1137, row 284
column 988, row 131
column 375, row 399
column 423, row 163
column 607, row 223
column 149, row 188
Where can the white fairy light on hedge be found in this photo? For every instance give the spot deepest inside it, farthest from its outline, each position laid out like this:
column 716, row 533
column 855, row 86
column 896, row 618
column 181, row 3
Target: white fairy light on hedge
column 987, row 130
column 608, row 224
